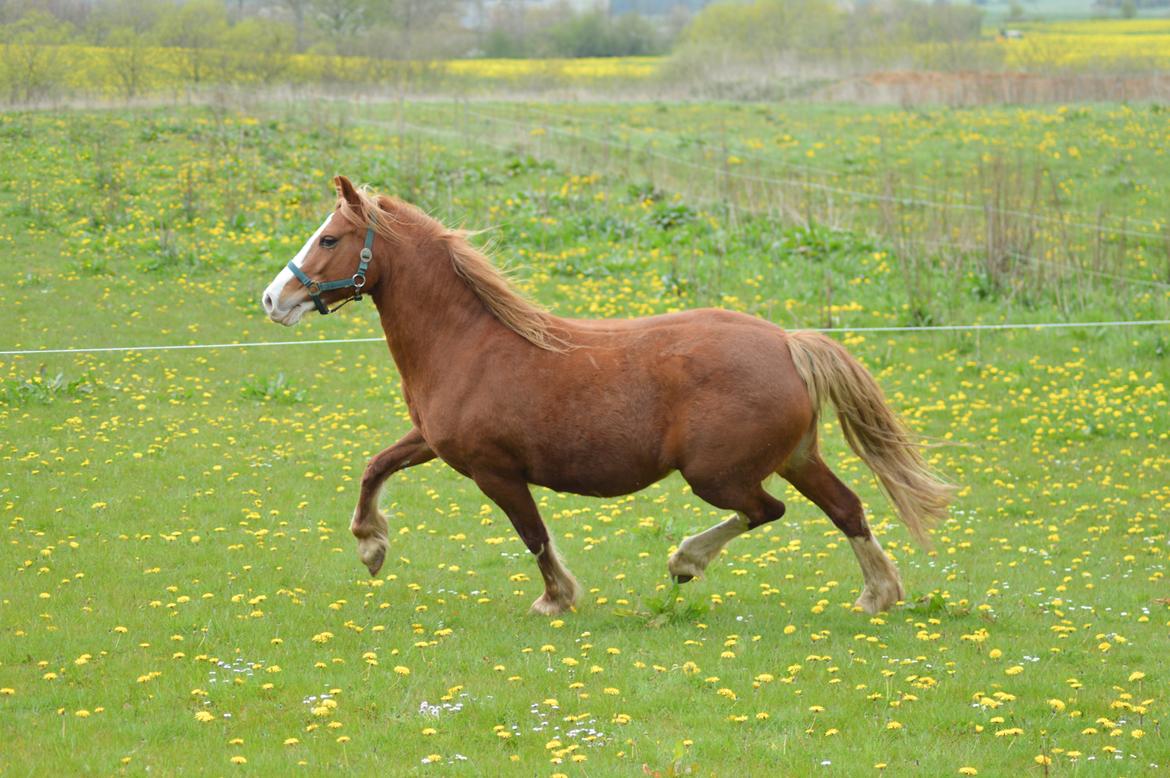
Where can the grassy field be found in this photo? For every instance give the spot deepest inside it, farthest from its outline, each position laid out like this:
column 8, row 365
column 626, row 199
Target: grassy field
column 180, row 593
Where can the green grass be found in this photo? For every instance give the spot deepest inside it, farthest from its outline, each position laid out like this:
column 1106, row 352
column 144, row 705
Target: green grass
column 175, row 523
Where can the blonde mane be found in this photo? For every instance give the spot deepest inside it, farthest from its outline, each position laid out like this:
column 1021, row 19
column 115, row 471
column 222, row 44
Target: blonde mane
column 490, row 284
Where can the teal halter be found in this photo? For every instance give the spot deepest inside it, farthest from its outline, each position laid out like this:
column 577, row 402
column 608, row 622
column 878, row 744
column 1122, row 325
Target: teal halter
column 357, row 281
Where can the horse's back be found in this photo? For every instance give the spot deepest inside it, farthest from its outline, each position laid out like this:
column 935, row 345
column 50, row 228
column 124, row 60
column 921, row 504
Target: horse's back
column 733, row 350
column 680, row 320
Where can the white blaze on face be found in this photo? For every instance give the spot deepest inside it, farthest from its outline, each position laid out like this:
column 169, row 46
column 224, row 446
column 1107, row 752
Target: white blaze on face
column 271, row 299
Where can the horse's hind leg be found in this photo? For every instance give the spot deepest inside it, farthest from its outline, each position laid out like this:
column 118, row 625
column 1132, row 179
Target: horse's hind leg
column 813, row 478
column 515, row 499
column 753, row 507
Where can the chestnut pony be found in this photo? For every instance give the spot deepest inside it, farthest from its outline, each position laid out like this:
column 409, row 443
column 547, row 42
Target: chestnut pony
column 510, row 395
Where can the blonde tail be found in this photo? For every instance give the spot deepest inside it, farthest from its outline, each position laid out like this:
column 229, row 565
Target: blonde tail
column 872, row 430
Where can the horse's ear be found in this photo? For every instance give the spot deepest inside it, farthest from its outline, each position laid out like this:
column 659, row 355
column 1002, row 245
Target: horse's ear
column 346, row 190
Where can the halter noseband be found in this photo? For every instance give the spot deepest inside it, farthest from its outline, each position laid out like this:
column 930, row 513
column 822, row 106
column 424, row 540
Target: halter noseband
column 357, row 281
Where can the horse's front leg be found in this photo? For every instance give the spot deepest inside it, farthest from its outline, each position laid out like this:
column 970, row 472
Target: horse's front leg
column 369, row 525
column 514, row 498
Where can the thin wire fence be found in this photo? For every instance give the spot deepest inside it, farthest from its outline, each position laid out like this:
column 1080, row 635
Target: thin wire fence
column 992, row 327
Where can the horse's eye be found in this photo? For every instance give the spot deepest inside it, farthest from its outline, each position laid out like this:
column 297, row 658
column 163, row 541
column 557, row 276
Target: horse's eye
column 328, row 242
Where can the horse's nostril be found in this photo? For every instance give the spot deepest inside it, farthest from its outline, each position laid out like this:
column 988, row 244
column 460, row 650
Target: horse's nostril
column 268, row 302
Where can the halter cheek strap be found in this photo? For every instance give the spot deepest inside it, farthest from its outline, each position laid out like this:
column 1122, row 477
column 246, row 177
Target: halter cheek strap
column 356, row 281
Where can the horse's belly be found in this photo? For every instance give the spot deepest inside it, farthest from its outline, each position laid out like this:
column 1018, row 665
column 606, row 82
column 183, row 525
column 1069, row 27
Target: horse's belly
column 604, row 472
column 601, row 485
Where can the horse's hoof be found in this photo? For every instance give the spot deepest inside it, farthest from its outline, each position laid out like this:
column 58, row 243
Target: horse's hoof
column 372, row 552
column 874, row 600
column 683, row 567
column 371, row 540
column 548, row 606
column 374, row 562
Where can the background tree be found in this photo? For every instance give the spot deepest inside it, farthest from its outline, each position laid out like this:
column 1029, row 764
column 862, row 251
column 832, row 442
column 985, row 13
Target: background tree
column 426, row 29
column 197, row 27
column 127, row 29
column 30, row 64
column 595, row 34
column 340, row 21
column 507, row 30
column 821, row 31
column 300, row 11
column 765, row 29
column 260, row 49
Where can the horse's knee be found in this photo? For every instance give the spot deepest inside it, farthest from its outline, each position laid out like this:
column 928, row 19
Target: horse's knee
column 371, row 476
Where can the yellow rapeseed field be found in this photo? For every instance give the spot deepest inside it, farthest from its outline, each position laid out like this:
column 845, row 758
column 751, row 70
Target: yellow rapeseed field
column 1090, row 44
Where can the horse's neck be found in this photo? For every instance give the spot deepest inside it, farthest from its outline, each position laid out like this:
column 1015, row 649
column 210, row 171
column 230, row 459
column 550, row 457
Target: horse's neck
column 428, row 313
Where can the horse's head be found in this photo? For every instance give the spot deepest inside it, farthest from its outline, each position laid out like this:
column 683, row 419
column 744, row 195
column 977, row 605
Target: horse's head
column 333, row 267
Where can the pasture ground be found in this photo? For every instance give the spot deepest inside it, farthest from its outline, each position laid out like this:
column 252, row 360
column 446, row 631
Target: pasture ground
column 180, row 593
